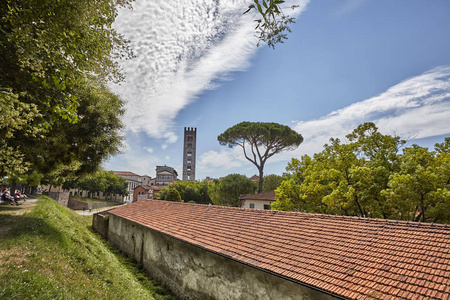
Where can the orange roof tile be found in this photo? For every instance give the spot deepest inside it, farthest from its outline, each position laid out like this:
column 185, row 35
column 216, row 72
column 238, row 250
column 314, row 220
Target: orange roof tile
column 346, row 256
column 124, row 173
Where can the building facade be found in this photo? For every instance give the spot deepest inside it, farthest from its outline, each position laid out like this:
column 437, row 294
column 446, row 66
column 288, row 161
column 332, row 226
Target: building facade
column 262, row 200
column 189, row 152
column 165, row 175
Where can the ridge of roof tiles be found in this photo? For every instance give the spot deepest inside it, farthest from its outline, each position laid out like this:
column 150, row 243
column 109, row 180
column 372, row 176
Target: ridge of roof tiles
column 351, row 257
column 125, row 173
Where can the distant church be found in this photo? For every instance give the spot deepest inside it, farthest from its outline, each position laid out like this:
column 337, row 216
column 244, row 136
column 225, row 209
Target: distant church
column 190, row 139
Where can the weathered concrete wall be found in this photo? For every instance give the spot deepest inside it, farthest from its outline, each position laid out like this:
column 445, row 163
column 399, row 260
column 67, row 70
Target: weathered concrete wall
column 100, row 223
column 194, row 273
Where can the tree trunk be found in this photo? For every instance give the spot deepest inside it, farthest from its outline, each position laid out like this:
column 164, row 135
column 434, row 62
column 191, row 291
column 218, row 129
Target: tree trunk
column 261, row 180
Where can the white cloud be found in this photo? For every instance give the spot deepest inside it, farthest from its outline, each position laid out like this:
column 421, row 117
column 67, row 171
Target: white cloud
column 417, row 107
column 149, row 150
column 228, row 159
column 182, row 48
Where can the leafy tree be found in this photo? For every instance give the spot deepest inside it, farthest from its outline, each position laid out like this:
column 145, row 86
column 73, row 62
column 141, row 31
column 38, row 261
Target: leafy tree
column 52, row 54
column 173, row 195
column 420, row 191
column 191, row 191
column 228, row 190
column 368, row 177
column 273, row 25
column 264, row 140
column 17, row 119
column 271, row 182
column 75, row 149
column 100, row 181
column 48, row 45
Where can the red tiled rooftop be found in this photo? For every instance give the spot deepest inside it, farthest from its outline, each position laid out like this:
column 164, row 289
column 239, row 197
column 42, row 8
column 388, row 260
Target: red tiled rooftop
column 124, row 173
column 347, row 256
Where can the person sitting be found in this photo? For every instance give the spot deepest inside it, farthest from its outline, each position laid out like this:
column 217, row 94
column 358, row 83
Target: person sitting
column 18, row 195
column 7, row 198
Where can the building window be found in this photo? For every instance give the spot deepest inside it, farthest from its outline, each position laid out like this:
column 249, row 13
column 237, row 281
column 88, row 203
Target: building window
column 189, row 161
column 190, row 138
column 189, row 154
column 189, row 145
column 252, row 205
column 188, row 168
column 266, row 206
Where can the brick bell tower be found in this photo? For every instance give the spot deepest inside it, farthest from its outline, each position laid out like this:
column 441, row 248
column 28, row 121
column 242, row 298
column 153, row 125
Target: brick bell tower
column 190, row 140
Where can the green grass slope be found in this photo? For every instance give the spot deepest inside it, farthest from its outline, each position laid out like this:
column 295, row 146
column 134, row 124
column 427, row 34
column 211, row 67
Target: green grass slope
column 49, row 252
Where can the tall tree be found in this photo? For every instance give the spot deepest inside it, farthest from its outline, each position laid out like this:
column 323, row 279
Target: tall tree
column 190, row 191
column 228, row 190
column 271, row 182
column 48, row 49
column 264, row 140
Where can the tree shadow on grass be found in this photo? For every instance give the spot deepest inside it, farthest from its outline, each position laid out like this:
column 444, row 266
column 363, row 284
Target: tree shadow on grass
column 7, row 207
column 14, row 227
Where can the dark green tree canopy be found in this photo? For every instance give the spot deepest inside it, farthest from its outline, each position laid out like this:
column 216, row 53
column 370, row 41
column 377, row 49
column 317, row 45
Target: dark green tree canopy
column 55, row 60
column 227, row 190
column 263, row 140
column 173, row 195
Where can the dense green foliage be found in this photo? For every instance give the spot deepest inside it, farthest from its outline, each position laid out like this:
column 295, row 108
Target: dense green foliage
column 190, row 191
column 50, row 252
column 264, row 140
column 100, row 181
column 272, row 182
column 228, row 190
column 55, row 59
column 173, row 195
column 369, row 177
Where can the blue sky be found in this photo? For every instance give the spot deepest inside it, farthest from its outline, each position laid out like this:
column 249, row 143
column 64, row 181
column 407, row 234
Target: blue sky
column 345, row 63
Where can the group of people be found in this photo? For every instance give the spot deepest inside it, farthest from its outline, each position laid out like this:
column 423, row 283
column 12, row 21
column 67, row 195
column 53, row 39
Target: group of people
column 6, row 197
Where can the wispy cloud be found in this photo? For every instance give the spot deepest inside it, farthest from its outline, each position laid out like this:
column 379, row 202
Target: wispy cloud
column 182, row 48
column 418, row 107
column 348, row 6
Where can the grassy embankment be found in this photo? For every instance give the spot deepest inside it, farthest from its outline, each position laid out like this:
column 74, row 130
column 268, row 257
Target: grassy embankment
column 50, row 252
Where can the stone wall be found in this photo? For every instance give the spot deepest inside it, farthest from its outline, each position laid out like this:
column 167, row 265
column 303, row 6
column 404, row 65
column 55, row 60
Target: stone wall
column 62, row 197
column 78, row 205
column 195, row 273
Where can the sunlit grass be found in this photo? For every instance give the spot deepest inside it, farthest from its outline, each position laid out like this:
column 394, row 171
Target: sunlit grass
column 51, row 252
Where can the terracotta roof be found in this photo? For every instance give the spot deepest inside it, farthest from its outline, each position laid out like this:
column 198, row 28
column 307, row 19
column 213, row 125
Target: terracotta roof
column 254, row 178
column 124, row 173
column 144, row 187
column 269, row 195
column 355, row 258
